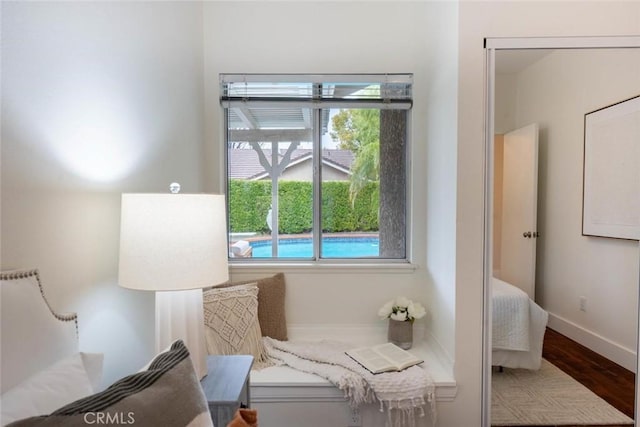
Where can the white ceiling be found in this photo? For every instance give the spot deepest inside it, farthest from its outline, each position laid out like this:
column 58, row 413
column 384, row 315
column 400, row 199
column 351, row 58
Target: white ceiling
column 516, row 60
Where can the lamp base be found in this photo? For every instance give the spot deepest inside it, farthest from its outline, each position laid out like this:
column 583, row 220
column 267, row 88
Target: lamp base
column 180, row 315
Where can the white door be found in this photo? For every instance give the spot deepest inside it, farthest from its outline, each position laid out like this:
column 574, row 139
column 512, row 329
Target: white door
column 519, row 208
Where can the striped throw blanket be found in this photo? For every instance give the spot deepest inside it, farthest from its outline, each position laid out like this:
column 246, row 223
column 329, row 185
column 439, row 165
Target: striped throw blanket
column 403, row 395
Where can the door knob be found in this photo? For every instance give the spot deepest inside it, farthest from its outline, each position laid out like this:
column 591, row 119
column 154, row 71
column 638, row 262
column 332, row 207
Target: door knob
column 526, row 234
column 536, row 234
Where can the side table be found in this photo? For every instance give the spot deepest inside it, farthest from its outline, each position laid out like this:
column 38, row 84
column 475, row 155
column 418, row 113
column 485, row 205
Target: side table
column 226, row 386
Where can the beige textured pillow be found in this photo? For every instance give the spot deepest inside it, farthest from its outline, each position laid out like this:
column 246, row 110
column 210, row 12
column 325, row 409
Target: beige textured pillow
column 231, row 321
column 271, row 313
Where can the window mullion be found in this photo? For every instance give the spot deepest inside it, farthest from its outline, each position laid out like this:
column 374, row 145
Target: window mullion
column 317, row 183
column 275, row 210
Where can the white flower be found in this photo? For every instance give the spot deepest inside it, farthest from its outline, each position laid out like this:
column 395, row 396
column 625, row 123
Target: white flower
column 386, row 310
column 400, row 315
column 402, row 309
column 403, row 302
column 416, row 310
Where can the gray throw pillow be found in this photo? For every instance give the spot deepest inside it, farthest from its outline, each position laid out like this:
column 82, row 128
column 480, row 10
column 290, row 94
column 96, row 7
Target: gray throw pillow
column 166, row 394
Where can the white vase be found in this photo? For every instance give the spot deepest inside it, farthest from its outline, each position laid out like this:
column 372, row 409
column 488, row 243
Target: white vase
column 400, row 333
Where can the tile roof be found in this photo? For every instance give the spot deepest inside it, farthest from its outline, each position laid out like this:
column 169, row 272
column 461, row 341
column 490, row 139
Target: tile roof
column 244, row 163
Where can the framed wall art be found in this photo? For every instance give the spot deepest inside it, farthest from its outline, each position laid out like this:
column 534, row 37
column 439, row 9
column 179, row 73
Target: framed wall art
column 611, row 192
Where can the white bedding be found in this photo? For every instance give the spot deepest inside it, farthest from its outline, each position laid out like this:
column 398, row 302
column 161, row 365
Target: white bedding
column 510, row 317
column 518, row 327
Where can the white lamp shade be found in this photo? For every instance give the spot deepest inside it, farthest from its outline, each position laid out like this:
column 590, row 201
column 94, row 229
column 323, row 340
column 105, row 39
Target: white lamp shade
column 172, row 242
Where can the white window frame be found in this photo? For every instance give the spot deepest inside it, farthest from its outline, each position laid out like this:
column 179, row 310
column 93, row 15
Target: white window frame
column 391, row 102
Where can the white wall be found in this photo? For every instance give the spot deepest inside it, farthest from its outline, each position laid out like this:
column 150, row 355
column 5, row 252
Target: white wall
column 477, row 21
column 355, row 37
column 556, row 92
column 506, row 102
column 441, row 169
column 98, row 99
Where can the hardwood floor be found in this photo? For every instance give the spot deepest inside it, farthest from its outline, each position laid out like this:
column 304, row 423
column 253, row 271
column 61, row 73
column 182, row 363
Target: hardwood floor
column 608, row 380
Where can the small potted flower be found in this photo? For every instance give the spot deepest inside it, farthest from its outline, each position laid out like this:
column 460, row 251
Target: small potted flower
column 401, row 312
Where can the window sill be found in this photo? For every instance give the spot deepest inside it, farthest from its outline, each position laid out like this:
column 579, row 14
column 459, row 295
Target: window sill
column 324, row 267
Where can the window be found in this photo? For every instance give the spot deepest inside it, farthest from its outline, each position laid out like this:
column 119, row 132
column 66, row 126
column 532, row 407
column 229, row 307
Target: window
column 317, row 166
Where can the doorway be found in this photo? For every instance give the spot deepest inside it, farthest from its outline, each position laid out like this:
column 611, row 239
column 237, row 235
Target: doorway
column 515, row 204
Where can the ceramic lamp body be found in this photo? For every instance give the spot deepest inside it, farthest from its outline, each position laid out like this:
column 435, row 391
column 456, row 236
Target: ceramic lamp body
column 400, row 333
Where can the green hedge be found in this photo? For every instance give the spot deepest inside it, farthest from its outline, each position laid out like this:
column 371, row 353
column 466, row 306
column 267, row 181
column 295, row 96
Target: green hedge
column 249, row 203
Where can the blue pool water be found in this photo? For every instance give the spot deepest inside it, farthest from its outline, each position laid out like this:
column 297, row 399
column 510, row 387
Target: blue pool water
column 332, row 247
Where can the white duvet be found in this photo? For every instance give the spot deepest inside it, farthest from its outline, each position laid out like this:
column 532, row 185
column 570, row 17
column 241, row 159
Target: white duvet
column 510, row 317
column 518, row 327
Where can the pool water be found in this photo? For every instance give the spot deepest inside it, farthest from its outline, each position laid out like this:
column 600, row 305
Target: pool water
column 332, row 247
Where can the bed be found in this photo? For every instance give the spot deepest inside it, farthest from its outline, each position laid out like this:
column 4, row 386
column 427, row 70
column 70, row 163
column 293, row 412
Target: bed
column 518, row 327
column 47, row 382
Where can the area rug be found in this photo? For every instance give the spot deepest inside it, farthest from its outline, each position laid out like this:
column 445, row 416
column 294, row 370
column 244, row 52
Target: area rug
column 547, row 397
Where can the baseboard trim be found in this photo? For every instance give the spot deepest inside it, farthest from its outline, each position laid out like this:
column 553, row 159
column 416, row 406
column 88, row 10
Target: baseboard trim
column 615, row 352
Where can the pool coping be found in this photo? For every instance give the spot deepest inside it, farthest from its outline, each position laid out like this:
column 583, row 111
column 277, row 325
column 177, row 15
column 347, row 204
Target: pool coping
column 309, row 236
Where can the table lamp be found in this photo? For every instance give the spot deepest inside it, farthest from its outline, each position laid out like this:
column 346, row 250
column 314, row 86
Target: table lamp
column 175, row 245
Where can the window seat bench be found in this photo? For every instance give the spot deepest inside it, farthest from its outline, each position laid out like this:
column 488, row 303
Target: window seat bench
column 287, row 397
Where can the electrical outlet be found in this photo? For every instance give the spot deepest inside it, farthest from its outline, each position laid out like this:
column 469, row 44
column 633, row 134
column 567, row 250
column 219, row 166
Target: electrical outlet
column 583, row 303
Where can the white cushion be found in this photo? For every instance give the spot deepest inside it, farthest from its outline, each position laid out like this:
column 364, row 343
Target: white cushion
column 61, row 383
column 239, row 247
column 93, row 364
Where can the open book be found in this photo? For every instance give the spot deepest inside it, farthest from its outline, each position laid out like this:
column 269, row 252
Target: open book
column 383, row 358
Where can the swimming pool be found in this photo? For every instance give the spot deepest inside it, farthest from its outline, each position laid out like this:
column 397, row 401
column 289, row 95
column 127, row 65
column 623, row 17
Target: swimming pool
column 332, row 247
